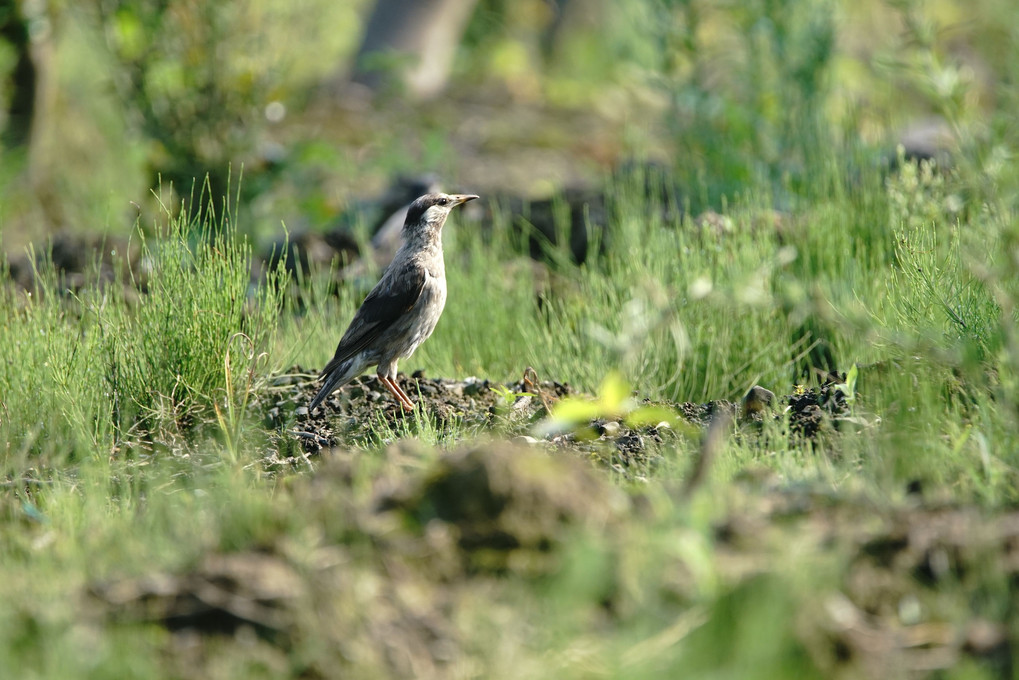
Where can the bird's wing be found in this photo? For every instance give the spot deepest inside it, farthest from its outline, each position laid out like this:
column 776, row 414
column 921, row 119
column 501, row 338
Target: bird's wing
column 390, row 299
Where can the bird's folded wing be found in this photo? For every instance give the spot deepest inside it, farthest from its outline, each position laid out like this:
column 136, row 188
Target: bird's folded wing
column 389, row 300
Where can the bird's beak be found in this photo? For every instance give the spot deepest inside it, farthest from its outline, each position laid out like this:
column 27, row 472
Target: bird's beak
column 462, row 198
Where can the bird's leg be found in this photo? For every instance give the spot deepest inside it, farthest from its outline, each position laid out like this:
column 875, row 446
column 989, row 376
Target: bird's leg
column 395, row 390
column 408, row 405
column 403, row 394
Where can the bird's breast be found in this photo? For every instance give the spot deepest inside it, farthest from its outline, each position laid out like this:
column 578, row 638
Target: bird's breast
column 433, row 294
column 427, row 312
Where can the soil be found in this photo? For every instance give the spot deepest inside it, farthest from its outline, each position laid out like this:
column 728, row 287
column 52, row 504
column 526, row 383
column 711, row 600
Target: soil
column 393, row 563
column 364, row 413
column 405, row 544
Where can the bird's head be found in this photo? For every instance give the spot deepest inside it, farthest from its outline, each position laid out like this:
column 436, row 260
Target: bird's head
column 428, row 213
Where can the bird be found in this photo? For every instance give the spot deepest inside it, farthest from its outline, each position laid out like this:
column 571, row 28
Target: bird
column 402, row 309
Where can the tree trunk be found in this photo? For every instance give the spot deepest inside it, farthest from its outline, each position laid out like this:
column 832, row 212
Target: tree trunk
column 17, row 128
column 413, row 42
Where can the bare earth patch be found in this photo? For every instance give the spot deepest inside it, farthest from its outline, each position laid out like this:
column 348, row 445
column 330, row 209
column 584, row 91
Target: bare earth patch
column 364, row 413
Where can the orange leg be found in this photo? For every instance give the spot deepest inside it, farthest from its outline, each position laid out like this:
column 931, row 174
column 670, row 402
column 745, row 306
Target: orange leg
column 408, row 405
column 406, row 399
column 395, row 390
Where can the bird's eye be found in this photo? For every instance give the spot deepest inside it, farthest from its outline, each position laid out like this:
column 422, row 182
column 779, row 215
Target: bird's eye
column 443, row 201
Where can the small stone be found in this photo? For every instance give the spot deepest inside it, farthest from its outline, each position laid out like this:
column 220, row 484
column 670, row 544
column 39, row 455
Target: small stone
column 524, row 439
column 521, row 403
column 301, row 412
column 984, row 637
column 757, row 400
column 610, row 429
column 472, row 386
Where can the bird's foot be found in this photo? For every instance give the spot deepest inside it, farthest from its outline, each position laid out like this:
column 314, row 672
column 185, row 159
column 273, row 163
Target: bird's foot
column 397, row 393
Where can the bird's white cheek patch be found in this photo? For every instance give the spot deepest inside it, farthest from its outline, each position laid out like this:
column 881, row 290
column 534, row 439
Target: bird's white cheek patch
column 433, row 214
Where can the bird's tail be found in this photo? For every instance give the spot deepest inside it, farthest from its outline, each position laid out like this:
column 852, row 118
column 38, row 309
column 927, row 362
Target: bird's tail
column 335, row 376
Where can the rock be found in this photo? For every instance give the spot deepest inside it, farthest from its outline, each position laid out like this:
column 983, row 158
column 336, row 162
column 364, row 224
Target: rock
column 756, row 402
column 473, row 386
column 984, row 638
column 609, row 429
column 522, row 403
column 353, row 414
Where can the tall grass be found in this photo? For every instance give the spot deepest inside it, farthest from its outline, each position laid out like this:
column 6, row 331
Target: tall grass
column 89, row 372
column 880, row 272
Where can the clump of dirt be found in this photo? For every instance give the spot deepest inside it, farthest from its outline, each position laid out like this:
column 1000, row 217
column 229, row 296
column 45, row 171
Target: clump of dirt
column 819, row 410
column 221, row 595
column 507, row 510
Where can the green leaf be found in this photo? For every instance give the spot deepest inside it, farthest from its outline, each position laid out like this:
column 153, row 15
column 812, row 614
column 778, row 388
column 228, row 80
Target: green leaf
column 848, row 387
column 576, row 410
column 851, row 379
column 650, row 415
column 613, row 393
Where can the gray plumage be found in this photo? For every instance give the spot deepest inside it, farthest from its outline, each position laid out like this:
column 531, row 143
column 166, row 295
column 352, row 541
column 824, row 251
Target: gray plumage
column 402, row 309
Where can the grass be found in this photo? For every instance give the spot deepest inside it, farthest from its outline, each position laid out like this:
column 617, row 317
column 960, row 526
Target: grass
column 112, row 367
column 133, row 443
column 135, row 439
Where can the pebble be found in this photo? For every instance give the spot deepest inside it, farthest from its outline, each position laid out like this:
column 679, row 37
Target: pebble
column 521, row 403
column 610, row 429
column 473, row 385
column 756, row 401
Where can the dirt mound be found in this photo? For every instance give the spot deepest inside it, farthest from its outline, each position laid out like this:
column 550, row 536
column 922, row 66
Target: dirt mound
column 221, row 595
column 388, row 561
column 364, row 414
column 507, row 510
column 406, row 565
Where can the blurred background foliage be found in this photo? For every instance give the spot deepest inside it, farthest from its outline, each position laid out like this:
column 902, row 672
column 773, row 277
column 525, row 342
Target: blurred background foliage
column 104, row 101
